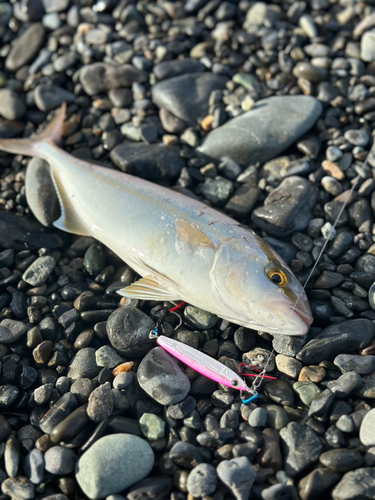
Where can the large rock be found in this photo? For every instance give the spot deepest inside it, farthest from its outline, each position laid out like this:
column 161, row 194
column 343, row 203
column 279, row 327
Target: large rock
column 265, row 131
column 186, row 96
column 342, row 338
column 154, row 162
column 356, row 485
column 112, row 464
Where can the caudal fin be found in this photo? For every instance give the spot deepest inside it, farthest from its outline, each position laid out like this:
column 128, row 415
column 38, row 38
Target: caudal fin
column 28, row 147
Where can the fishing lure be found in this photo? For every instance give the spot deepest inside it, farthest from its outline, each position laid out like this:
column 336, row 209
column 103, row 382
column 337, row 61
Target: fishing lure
column 207, row 366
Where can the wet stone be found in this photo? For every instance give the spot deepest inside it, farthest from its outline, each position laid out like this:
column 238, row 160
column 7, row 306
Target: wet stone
column 321, row 403
column 11, row 105
column 202, row 480
column 70, row 426
column 94, row 259
column 42, row 352
column 82, row 389
column 100, row 470
column 152, row 487
column 43, row 393
column 48, row 97
column 277, row 418
column 60, row 410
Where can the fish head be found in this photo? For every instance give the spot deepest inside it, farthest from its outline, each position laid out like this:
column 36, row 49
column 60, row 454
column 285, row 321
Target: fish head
column 257, row 289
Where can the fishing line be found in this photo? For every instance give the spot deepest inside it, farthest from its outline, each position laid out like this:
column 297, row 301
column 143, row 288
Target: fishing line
column 258, row 380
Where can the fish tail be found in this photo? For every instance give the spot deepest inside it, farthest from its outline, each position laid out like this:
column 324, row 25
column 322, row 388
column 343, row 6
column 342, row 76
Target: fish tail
column 29, row 147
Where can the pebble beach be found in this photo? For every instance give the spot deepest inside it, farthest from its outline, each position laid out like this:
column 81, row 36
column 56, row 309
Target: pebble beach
column 264, row 111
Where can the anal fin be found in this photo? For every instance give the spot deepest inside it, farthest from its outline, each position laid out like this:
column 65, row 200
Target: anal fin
column 69, row 220
column 148, row 288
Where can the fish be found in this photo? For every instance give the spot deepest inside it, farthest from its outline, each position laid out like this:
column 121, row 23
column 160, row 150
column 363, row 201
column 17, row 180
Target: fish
column 181, row 248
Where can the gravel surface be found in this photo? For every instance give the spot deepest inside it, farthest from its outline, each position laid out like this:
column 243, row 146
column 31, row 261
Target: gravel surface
column 261, row 110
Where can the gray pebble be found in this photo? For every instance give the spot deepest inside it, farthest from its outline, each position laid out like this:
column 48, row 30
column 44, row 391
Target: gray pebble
column 42, row 394
column 258, row 418
column 39, row 271
column 123, row 380
column 107, row 357
column 60, row 461
column 238, row 475
column 100, row 470
column 33, row 466
column 11, row 456
column 152, row 426
column 11, row 105
column 100, row 404
column 356, row 484
column 367, row 429
column 202, row 480
column 11, row 331
column 48, row 97
column 26, row 47
column 19, row 488
column 83, row 364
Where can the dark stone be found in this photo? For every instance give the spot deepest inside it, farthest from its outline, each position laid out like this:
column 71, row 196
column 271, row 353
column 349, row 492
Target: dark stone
column 149, row 161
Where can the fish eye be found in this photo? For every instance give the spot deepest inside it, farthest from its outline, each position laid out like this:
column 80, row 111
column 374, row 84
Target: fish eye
column 277, row 277
column 234, row 383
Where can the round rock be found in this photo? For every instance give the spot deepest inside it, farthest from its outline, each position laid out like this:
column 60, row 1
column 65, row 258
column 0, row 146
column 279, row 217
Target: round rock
column 59, row 460
column 128, row 331
column 112, row 464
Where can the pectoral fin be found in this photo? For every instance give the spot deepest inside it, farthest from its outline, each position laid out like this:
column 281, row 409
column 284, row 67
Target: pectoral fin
column 69, row 220
column 190, row 238
column 148, row 288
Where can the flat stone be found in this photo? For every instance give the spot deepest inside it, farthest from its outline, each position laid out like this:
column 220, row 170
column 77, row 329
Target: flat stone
column 152, row 426
column 100, row 405
column 112, row 464
column 363, row 365
column 107, row 357
column 265, row 131
column 186, row 96
column 149, row 161
column 25, row 47
column 337, row 339
column 170, row 69
column 202, row 480
column 60, row 461
column 19, row 488
column 199, row 318
column 307, row 391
